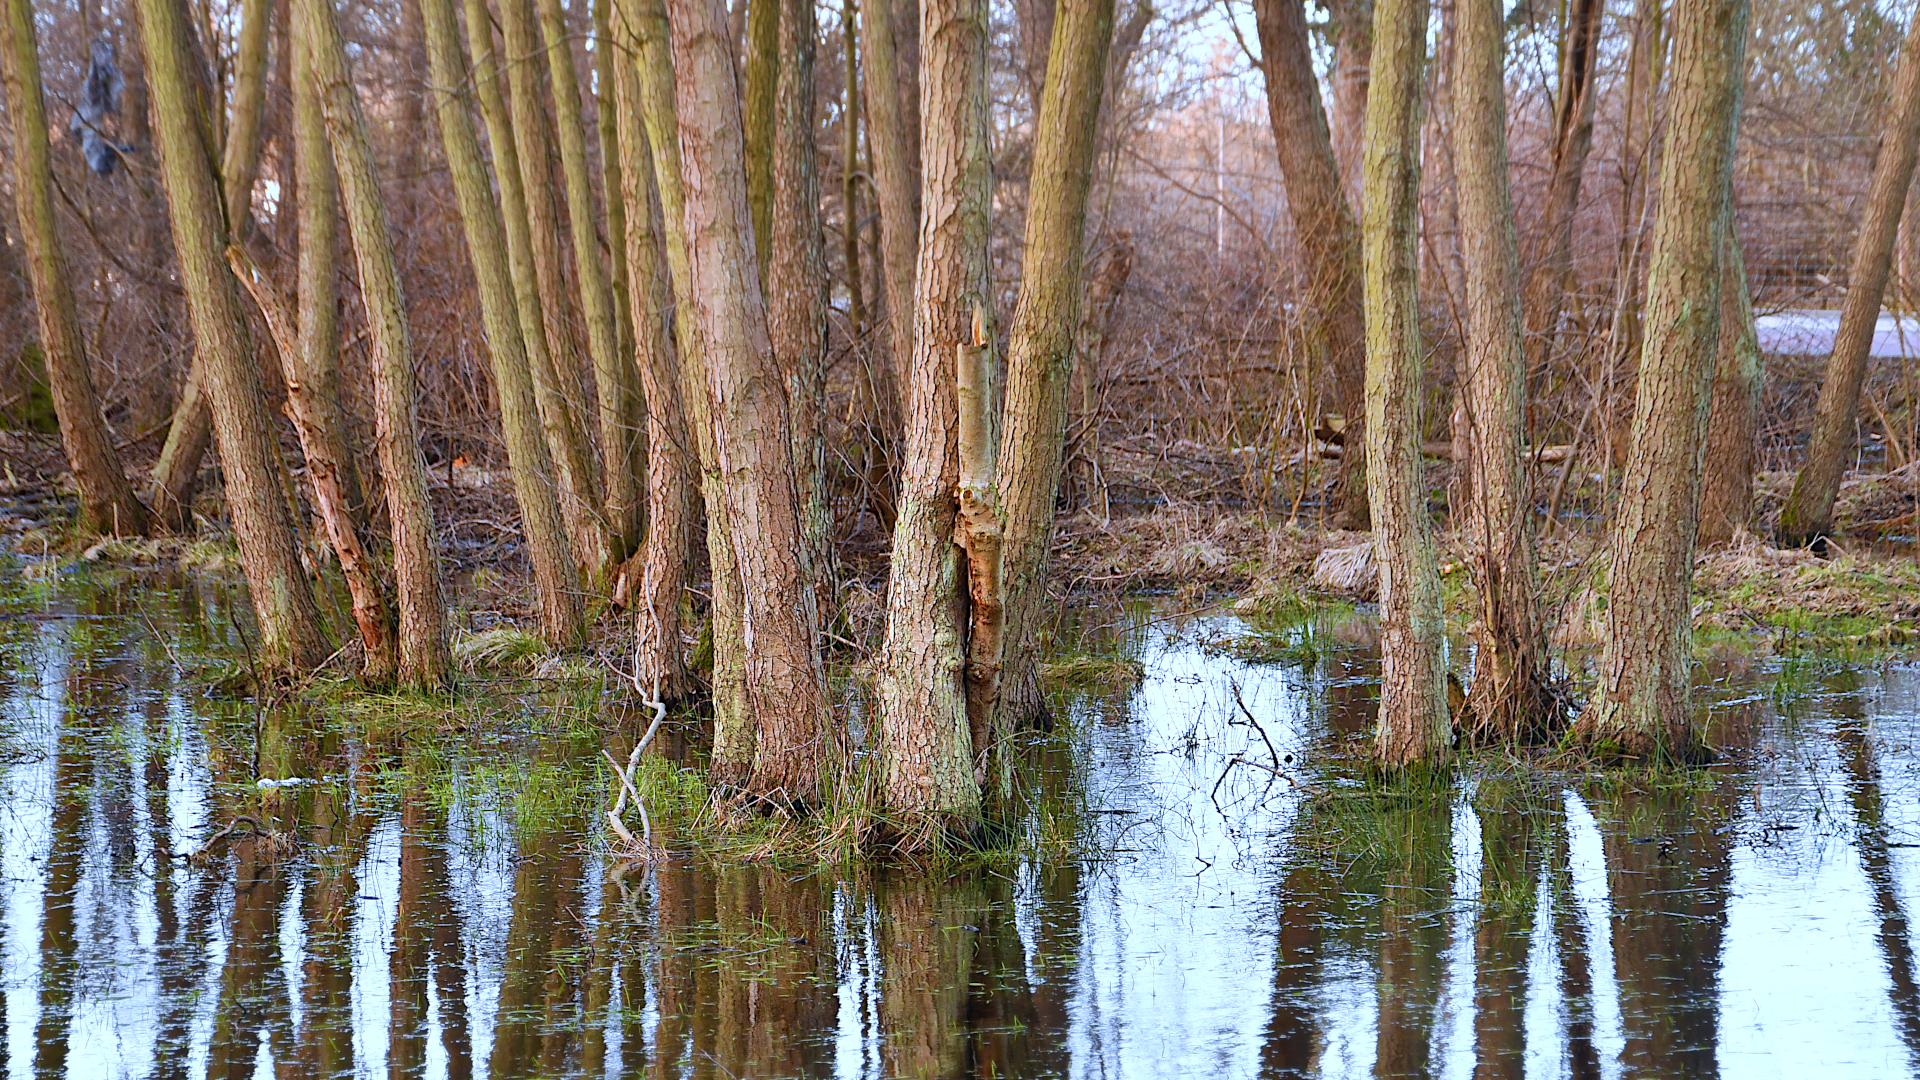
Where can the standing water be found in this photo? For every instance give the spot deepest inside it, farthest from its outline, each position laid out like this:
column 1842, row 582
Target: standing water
column 424, row 896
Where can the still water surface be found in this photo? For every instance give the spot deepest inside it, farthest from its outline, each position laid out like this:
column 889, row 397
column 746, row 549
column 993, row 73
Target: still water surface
column 430, row 907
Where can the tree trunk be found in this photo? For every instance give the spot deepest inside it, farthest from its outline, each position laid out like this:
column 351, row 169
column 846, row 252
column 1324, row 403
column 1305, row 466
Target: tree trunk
column 1643, row 704
column 1508, row 698
column 929, row 783
column 1808, row 514
column 1040, row 349
column 614, row 377
column 1413, row 728
column 1324, row 226
column 896, row 163
column 1726, row 491
column 289, row 623
column 797, row 284
column 1573, row 138
column 561, row 619
column 240, row 155
column 307, row 344
column 425, row 663
column 786, row 683
column 107, row 502
column 1350, row 23
column 612, row 191
column 759, row 83
column 733, row 730
column 670, row 464
column 532, row 138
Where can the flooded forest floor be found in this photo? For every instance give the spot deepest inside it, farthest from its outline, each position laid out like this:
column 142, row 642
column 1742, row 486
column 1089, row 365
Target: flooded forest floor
column 1199, row 879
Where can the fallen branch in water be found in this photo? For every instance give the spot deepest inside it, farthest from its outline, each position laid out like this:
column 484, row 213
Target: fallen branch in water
column 641, row 849
column 199, row 853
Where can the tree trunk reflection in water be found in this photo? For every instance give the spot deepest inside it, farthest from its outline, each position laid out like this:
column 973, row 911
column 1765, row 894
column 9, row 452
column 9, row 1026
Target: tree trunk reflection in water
column 1668, row 864
column 1291, row 1046
column 1512, row 845
column 1416, row 891
column 253, row 996
column 1574, row 949
column 64, row 850
column 1861, row 761
column 927, row 931
column 536, row 1029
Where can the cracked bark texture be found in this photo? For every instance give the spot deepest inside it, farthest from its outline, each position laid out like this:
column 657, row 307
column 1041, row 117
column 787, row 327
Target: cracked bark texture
column 1643, row 704
column 785, row 679
column 733, row 730
column 1508, row 698
column 1413, row 729
column 928, row 780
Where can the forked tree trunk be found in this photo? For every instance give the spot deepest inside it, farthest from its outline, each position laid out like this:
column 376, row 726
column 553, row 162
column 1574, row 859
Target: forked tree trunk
column 786, row 683
column 425, row 662
column 1413, row 729
column 796, row 279
column 1323, row 221
column 621, row 447
column 240, row 155
column 289, row 623
column 107, row 502
column 1808, row 514
column 1726, row 489
column 1572, row 139
column 929, row 783
column 556, row 367
column 308, row 345
column 671, row 494
column 733, row 730
column 1040, row 349
column 561, row 620
column 1643, row 704
column 1508, row 699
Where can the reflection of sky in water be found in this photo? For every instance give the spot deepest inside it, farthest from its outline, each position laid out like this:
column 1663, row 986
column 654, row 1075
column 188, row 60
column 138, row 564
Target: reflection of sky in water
column 1174, row 973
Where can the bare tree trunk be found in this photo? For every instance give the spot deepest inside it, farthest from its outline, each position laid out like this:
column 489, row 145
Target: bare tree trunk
column 759, row 81
column 786, row 683
column 1508, row 699
column 425, row 662
column 878, row 392
column 1413, row 729
column 289, row 623
column 561, row 619
column 107, row 502
column 929, row 783
column 612, row 192
column 896, row 163
column 1808, row 514
column 533, row 142
column 1726, row 491
column 1323, row 221
column 308, row 343
column 797, row 283
column 733, row 730
column 1350, row 24
column 614, row 376
column 240, row 154
column 670, row 458
column 1643, row 704
column 1040, row 351
column 1573, row 138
